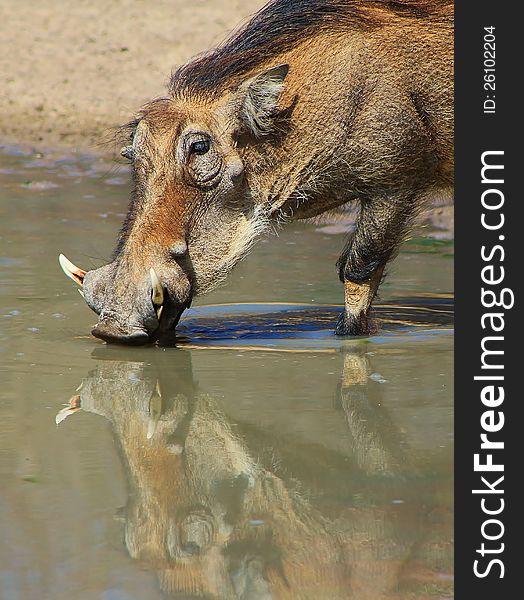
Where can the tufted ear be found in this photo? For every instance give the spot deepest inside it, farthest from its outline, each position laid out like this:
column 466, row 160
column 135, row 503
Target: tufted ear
column 257, row 100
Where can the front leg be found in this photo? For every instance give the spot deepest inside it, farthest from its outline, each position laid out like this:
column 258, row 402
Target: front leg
column 379, row 230
column 357, row 302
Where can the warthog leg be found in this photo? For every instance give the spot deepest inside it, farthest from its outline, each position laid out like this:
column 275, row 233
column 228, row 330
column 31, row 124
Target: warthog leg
column 357, row 299
column 379, row 231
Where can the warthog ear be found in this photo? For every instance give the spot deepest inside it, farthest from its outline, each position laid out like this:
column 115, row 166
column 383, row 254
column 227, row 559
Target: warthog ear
column 257, row 99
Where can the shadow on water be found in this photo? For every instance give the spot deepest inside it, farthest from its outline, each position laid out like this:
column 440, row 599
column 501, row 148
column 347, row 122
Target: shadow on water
column 266, row 323
column 225, row 505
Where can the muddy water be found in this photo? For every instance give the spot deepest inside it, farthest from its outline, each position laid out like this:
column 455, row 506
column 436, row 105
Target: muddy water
column 262, row 458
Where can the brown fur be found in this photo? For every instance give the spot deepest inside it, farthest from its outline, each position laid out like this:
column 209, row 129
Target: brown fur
column 304, row 110
column 282, row 24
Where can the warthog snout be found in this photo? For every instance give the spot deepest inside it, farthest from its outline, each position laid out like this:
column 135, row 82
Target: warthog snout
column 135, row 305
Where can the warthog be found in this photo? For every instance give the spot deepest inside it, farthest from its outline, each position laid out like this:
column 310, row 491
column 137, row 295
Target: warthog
column 309, row 106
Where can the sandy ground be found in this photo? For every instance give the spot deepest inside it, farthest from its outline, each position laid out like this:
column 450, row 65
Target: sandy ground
column 71, row 70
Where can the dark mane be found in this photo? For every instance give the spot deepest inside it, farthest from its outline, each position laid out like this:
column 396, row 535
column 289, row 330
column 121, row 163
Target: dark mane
column 281, row 25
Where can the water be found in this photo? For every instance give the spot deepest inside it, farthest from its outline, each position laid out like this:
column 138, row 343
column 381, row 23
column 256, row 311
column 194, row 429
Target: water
column 262, row 458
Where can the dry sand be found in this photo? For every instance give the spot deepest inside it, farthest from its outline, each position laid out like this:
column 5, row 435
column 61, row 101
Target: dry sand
column 70, row 70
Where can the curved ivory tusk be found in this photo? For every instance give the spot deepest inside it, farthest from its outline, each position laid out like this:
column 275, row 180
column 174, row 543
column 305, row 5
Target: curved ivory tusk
column 157, row 295
column 71, row 270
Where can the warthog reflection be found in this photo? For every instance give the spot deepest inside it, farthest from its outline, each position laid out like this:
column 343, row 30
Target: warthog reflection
column 228, row 510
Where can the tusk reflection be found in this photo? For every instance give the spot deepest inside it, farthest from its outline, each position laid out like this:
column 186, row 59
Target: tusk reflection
column 71, row 408
column 155, row 411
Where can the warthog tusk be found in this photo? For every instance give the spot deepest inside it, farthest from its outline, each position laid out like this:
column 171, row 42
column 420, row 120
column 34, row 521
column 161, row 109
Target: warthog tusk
column 157, row 294
column 71, row 270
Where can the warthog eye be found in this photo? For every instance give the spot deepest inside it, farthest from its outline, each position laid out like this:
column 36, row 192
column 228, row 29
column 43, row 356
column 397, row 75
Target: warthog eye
column 200, row 147
column 127, row 152
column 200, row 155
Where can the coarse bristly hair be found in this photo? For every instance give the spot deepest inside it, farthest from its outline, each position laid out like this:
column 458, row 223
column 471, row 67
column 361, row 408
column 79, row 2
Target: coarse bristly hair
column 281, row 25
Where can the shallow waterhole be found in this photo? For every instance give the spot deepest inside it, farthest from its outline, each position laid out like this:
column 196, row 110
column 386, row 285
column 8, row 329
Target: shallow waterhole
column 260, row 452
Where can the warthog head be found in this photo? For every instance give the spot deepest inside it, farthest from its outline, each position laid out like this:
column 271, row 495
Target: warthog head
column 194, row 212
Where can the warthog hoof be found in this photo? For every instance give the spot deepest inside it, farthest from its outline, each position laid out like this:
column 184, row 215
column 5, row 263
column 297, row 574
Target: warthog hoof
column 353, row 325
